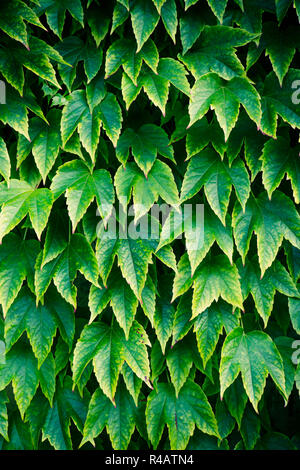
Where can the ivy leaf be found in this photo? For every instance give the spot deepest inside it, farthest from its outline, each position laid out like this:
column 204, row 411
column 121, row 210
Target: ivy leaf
column 200, row 234
column 74, row 50
column 67, row 404
column 4, row 161
column 24, row 373
column 179, row 361
column 15, row 111
column 279, row 45
column 163, row 321
column 13, row 271
column 123, row 53
column 134, row 257
column 236, row 400
column 218, row 8
column 250, row 428
column 274, row 167
column 271, row 220
column 102, row 344
column 211, row 282
column 157, row 88
column 3, row 415
column 144, row 18
column 279, row 100
column 119, row 420
column 55, row 13
column 263, row 288
column 191, row 25
column 45, row 142
column 81, row 187
column 20, row 199
column 36, row 59
column 206, row 169
column 78, row 255
column 180, row 414
column 209, row 326
column 111, row 117
column 38, row 322
column 209, row 57
column 145, row 144
column 13, row 20
column 160, row 182
column 225, row 98
column 47, row 375
column 124, row 303
column 169, row 17
column 254, row 355
column 284, row 346
column 294, row 309
column 77, row 114
column 132, row 382
column 108, row 348
column 175, row 73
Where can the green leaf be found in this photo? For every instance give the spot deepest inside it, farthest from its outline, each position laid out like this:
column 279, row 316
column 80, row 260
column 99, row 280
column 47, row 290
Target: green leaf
column 263, row 288
column 81, row 187
column 145, row 144
column 279, row 100
column 181, row 414
column 74, row 50
column 163, row 321
column 209, row 326
column 213, row 279
column 13, row 20
column 67, row 404
column 77, row 114
column 38, row 321
column 179, row 361
column 144, row 18
column 3, row 416
column 157, row 88
column 56, row 11
column 225, row 98
column 14, row 270
column 294, row 309
column 36, row 59
column 218, row 7
column 174, row 72
column 4, row 161
column 119, row 420
column 271, row 220
column 217, row 49
column 134, row 257
column 108, row 348
column 20, row 199
column 199, row 234
column 169, row 17
column 206, row 169
column 111, row 117
column 124, row 303
column 78, row 255
column 191, row 26
column 23, row 366
column 254, row 355
column 274, row 167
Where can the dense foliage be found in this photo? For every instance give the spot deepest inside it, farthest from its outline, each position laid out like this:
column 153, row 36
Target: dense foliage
column 149, row 342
